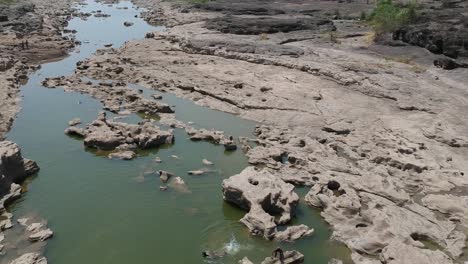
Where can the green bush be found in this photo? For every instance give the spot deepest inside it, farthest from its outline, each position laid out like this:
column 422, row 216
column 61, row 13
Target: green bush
column 388, row 16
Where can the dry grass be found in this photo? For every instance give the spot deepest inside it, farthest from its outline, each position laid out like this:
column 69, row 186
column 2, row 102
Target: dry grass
column 415, row 67
column 370, row 37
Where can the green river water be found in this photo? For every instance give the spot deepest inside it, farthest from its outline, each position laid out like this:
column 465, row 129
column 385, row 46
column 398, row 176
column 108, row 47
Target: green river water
column 111, row 211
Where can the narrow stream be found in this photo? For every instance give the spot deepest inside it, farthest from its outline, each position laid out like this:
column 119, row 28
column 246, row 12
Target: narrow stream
column 112, row 211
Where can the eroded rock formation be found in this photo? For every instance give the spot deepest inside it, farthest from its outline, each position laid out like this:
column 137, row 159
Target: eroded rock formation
column 264, row 196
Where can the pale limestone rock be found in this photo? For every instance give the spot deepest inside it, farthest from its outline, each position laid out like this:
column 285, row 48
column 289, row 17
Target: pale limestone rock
column 261, row 193
column 293, row 233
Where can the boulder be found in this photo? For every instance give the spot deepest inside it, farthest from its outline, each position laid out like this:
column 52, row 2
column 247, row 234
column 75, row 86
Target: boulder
column 128, row 23
column 74, row 122
column 263, row 196
column 13, row 167
column 293, row 233
column 30, row 258
column 164, row 176
column 34, row 227
column 230, row 145
column 41, row 235
column 102, row 134
column 202, row 134
column 290, row 257
column 75, row 132
column 245, row 260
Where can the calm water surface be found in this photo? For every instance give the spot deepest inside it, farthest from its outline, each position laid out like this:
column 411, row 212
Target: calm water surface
column 110, row 211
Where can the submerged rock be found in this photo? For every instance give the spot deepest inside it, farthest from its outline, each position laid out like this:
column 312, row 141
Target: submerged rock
column 207, row 162
column 196, row 172
column 179, row 185
column 123, row 155
column 164, row 176
column 264, row 196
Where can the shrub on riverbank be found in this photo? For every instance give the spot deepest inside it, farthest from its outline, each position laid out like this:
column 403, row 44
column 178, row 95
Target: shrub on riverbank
column 389, row 16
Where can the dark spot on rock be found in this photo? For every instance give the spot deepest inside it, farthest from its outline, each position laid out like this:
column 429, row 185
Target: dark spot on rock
column 333, row 185
column 253, row 182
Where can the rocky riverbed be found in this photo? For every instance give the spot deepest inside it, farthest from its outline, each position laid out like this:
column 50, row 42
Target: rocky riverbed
column 376, row 131
column 380, row 140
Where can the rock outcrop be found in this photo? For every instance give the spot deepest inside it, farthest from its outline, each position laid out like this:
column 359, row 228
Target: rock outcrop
column 102, row 134
column 13, row 168
column 263, row 196
column 290, row 257
column 30, row 258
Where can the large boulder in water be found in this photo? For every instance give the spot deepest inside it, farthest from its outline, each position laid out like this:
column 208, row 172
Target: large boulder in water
column 264, row 196
column 13, row 167
column 108, row 135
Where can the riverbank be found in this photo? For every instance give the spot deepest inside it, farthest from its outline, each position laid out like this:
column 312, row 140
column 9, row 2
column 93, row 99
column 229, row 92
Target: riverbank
column 41, row 24
column 380, row 120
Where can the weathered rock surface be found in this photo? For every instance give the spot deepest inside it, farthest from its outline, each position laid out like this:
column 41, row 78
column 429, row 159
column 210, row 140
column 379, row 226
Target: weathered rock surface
column 74, row 122
column 454, row 206
column 13, row 169
column 441, row 29
column 114, row 96
column 290, row 257
column 293, row 233
column 264, row 196
column 397, row 252
column 30, row 258
column 41, row 235
column 255, row 26
column 108, row 135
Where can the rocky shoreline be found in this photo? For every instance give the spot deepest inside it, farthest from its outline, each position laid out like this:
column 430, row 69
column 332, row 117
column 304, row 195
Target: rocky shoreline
column 40, row 24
